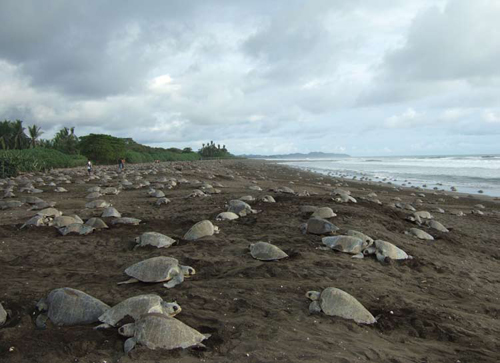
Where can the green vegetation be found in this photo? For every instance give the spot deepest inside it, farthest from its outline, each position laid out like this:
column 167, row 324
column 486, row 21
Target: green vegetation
column 102, row 149
column 211, row 150
column 28, row 160
column 25, row 153
column 137, row 153
column 12, row 135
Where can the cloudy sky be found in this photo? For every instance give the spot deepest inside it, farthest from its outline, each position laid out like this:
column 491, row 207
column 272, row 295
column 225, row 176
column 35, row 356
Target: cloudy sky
column 364, row 77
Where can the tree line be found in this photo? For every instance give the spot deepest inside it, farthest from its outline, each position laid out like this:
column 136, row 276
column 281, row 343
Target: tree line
column 99, row 148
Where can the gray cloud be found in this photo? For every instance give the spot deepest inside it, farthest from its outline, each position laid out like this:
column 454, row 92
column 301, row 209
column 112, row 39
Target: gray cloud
column 257, row 76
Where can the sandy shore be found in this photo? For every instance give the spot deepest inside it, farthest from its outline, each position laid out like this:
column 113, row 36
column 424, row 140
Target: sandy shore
column 441, row 306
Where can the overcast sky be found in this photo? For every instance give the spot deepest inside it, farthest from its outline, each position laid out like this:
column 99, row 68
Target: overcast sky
column 364, row 77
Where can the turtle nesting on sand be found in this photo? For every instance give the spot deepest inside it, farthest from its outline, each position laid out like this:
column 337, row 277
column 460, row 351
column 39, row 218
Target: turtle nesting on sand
column 336, row 302
column 346, row 244
column 159, row 269
column 384, row 250
column 77, row 228
column 155, row 330
column 318, row 226
column 201, row 229
column 266, row 252
column 135, row 307
column 126, row 220
column 154, row 239
column 67, row 306
column 226, row 216
column 419, row 234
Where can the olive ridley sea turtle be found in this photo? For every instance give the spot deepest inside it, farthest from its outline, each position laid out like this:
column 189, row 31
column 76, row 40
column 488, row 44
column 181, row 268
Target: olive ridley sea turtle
column 336, row 302
column 67, row 306
column 155, row 330
column 266, row 252
column 159, row 269
column 135, row 307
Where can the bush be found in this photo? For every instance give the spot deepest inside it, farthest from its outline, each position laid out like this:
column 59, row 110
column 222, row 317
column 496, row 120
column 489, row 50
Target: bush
column 28, row 160
column 103, row 149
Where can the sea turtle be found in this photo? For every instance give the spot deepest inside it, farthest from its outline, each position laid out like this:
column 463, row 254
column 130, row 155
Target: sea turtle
column 135, row 307
column 239, row 207
column 336, row 302
column 110, row 190
column 32, row 200
column 384, row 249
column 3, row 315
column 97, row 223
column 161, row 201
column 226, row 216
column 344, row 198
column 37, row 221
column 154, row 239
column 155, row 330
column 285, row 190
column 49, row 212
column 94, row 189
column 266, row 252
column 6, row 204
column 159, row 269
column 423, row 215
column 268, row 199
column 419, row 234
column 63, row 221
column 197, row 193
column 60, row 190
column 318, row 226
column 324, row 212
column 346, row 244
column 77, row 228
column 126, row 220
column 363, row 236
column 98, row 203
column 201, row 229
column 42, row 205
column 255, row 188
column 437, row 226
column 110, row 212
column 247, row 198
column 156, row 193
column 67, row 306
column 93, row 195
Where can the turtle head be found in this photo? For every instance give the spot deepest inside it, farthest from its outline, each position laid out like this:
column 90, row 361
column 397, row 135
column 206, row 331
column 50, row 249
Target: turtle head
column 251, row 245
column 313, row 295
column 188, row 271
column 171, row 309
column 127, row 330
column 137, row 239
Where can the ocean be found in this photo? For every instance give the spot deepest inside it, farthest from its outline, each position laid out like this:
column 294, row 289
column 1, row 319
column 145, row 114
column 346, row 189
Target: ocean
column 468, row 174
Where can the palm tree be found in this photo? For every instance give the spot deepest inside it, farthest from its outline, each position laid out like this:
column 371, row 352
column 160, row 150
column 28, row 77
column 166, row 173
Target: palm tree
column 19, row 137
column 35, row 132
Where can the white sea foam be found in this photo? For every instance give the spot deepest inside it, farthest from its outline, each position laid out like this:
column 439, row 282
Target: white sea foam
column 467, row 173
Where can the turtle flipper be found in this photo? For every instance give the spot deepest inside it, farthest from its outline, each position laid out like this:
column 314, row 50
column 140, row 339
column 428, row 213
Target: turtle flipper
column 103, row 326
column 41, row 321
column 130, row 281
column 314, row 307
column 175, row 281
column 129, row 345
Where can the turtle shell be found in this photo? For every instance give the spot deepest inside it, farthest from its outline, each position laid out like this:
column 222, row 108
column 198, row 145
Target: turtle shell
column 153, row 269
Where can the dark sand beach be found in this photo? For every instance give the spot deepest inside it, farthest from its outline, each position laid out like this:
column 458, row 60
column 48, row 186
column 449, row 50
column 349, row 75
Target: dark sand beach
column 441, row 306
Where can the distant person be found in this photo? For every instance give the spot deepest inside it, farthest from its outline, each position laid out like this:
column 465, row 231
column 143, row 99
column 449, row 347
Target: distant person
column 120, row 164
column 89, row 167
column 123, row 163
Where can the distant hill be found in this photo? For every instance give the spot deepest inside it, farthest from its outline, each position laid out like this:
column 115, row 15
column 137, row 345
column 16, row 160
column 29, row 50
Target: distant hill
column 311, row 155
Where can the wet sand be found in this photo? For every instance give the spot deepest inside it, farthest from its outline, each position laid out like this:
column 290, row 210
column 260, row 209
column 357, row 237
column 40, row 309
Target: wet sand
column 441, row 306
